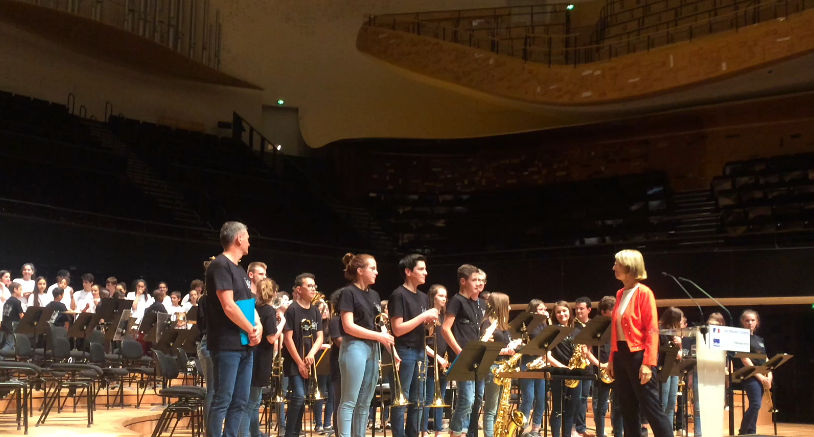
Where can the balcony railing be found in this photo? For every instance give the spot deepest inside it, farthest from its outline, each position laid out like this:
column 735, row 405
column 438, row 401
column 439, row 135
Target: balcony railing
column 564, row 49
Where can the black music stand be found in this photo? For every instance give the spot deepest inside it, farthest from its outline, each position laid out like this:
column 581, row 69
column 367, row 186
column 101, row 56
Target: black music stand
column 192, row 314
column 670, row 354
column 324, row 362
column 682, row 369
column 750, row 371
column 596, row 333
column 167, row 341
column 474, row 361
column 546, row 340
column 525, row 323
column 33, row 316
column 187, row 338
column 78, row 330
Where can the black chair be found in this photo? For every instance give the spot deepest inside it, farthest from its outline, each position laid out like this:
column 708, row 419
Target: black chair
column 29, row 374
column 190, row 399
column 97, row 357
column 75, row 376
column 132, row 357
column 22, row 349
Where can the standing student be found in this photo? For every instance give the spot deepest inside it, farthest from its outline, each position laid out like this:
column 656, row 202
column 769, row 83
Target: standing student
column 670, row 319
column 477, row 404
column 12, row 313
column 756, row 385
column 582, row 313
column 634, row 348
column 409, row 311
column 438, row 298
column 336, row 334
column 266, row 291
column 358, row 356
column 227, row 284
column 532, row 391
column 565, row 401
column 301, row 347
column 495, row 327
column 603, row 390
column 323, row 409
column 462, row 325
column 27, row 273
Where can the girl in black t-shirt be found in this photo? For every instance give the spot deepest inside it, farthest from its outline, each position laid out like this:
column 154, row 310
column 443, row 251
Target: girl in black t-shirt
column 438, row 298
column 495, row 327
column 263, row 354
column 359, row 355
column 532, row 391
column 756, row 385
column 325, row 387
column 565, row 400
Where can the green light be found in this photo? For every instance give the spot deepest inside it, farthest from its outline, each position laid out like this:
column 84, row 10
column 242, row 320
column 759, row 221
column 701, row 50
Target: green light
column 570, row 7
column 281, row 102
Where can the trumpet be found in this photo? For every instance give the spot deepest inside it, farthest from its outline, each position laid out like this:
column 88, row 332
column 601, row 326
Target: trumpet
column 383, row 322
column 313, row 393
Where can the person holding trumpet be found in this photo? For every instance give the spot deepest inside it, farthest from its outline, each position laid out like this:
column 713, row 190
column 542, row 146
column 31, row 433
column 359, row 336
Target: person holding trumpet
column 436, row 351
column 300, row 348
column 409, row 313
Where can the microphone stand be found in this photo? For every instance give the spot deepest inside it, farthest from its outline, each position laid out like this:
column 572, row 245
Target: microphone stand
column 730, row 395
column 703, row 320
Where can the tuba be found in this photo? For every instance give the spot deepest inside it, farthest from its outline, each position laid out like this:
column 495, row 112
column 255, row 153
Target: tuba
column 577, row 361
column 508, row 423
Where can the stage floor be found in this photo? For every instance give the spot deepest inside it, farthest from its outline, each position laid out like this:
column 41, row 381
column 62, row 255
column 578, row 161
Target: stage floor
column 133, row 422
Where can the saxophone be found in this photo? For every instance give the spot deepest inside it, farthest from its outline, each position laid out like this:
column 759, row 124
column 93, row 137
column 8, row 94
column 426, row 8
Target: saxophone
column 577, row 361
column 508, row 423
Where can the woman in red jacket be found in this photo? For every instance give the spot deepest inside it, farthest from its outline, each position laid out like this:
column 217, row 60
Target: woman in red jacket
column 635, row 348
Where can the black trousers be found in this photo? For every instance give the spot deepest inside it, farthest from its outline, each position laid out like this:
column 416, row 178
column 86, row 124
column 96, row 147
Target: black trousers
column 636, row 398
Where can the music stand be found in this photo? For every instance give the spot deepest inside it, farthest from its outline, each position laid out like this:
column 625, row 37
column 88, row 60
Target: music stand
column 474, row 357
column 525, row 322
column 546, row 340
column 187, row 338
column 596, row 333
column 161, row 325
column 78, row 330
column 670, row 353
column 123, row 324
column 324, row 362
column 682, row 369
column 167, row 340
column 750, row 371
column 192, row 315
column 32, row 317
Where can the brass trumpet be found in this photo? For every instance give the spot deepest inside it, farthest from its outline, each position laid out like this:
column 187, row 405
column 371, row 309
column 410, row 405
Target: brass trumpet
column 313, row 394
column 383, row 321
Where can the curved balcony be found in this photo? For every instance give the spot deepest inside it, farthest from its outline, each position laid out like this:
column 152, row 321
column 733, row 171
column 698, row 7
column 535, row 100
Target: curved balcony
column 760, row 49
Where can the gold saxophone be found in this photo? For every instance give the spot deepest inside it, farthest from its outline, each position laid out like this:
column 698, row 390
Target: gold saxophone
column 508, row 423
column 604, row 376
column 577, row 361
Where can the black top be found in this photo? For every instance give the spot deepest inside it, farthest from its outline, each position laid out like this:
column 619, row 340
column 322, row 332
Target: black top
column 201, row 321
column 756, row 346
column 156, row 307
column 664, row 341
column 468, row 315
column 533, row 333
column 11, row 313
column 604, row 352
column 59, row 318
column 442, row 343
column 563, row 351
column 336, row 332
column 408, row 305
column 223, row 274
column 294, row 316
column 497, row 335
column 365, row 306
column 264, row 352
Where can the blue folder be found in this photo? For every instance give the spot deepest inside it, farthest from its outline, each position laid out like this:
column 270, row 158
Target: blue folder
column 247, row 308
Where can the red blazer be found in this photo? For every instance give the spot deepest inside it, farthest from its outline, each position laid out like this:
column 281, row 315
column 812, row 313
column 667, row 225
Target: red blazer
column 640, row 322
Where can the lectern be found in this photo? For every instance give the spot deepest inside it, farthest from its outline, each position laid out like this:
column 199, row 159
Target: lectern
column 712, row 343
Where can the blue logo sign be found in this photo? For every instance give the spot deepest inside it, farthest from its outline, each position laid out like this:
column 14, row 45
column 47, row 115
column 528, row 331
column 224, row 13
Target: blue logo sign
column 716, row 341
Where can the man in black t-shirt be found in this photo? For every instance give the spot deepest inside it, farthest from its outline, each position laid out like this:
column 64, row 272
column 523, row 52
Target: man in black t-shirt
column 462, row 325
column 58, row 318
column 12, row 313
column 409, row 311
column 226, row 285
column 582, row 311
column 301, row 347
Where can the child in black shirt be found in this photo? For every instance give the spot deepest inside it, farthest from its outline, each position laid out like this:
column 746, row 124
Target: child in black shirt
column 12, row 313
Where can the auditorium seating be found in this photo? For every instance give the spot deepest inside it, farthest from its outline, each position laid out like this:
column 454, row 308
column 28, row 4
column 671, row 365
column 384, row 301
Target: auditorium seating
column 766, row 195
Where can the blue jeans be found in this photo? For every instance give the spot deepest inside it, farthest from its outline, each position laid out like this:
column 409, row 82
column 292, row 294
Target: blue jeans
column 250, row 425
column 408, row 376
column 696, row 405
column 582, row 406
column 296, row 405
column 754, row 392
column 532, row 393
column 600, row 407
column 327, row 404
column 208, row 373
column 564, row 407
column 491, row 399
column 472, row 431
column 232, row 377
column 359, row 366
column 669, row 391
column 437, row 414
column 281, row 407
column 7, row 340
column 459, row 424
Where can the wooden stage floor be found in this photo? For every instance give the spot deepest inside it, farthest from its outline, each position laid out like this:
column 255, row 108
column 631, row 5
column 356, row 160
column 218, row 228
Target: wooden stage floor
column 133, row 422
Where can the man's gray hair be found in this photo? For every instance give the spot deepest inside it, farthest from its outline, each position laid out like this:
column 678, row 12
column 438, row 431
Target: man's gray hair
column 229, row 232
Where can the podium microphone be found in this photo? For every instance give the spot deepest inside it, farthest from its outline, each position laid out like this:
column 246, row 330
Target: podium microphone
column 731, row 320
column 703, row 320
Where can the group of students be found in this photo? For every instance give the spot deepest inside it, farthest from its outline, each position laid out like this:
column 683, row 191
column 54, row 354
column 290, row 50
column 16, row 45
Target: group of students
column 238, row 349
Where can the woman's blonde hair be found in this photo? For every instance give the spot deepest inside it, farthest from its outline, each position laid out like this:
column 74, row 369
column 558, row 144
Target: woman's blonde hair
column 498, row 309
column 634, row 261
column 266, row 291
